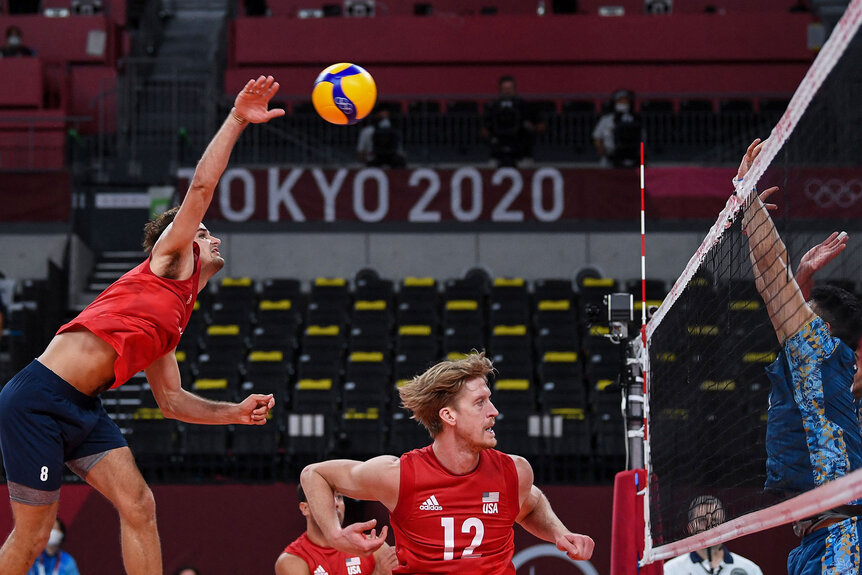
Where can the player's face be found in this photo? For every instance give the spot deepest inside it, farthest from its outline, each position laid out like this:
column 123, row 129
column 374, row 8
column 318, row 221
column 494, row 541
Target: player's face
column 339, row 507
column 476, row 414
column 209, row 247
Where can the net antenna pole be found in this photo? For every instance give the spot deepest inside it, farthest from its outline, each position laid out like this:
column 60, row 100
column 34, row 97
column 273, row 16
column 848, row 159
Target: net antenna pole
column 634, row 371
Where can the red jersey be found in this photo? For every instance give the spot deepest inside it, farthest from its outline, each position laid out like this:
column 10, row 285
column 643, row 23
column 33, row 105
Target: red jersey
column 141, row 315
column 329, row 561
column 447, row 523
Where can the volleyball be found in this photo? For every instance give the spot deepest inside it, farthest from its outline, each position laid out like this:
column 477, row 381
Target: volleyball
column 344, row 93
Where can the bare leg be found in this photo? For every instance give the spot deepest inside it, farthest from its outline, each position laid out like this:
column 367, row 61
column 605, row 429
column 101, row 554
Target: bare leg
column 117, row 477
column 32, row 526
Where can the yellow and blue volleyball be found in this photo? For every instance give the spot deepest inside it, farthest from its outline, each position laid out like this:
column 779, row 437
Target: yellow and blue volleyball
column 344, row 93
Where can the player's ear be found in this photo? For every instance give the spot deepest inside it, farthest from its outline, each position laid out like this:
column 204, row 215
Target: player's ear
column 446, row 415
column 303, row 508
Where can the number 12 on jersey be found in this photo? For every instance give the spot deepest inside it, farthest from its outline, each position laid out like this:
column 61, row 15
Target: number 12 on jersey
column 470, row 524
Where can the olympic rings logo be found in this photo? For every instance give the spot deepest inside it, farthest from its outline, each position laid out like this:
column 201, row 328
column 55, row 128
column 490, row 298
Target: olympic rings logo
column 833, row 192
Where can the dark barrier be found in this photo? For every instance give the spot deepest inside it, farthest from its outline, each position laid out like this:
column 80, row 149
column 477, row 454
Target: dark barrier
column 241, row 529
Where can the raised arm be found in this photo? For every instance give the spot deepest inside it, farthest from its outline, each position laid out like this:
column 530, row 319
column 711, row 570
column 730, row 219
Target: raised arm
column 772, row 272
column 537, row 517
column 251, row 105
column 376, row 479
column 175, row 402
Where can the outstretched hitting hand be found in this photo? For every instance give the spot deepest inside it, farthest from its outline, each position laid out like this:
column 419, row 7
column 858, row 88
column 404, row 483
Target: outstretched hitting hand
column 254, row 408
column 353, row 540
column 251, row 104
column 576, row 546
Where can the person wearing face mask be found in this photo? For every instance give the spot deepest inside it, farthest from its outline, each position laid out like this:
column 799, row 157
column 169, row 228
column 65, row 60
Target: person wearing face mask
column 53, row 560
column 618, row 134
column 15, row 47
column 379, row 143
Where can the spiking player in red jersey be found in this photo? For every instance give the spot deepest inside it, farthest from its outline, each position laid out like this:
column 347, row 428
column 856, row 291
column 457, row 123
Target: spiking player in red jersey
column 50, row 412
column 452, row 504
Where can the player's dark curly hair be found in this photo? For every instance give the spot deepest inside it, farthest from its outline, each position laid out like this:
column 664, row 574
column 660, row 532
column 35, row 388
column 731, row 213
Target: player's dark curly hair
column 841, row 310
column 154, row 228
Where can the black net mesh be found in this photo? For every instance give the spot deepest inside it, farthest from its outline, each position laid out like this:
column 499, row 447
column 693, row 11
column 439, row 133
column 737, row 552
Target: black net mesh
column 709, row 392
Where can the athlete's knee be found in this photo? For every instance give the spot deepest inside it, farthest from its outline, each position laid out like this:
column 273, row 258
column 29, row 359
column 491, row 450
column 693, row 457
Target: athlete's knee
column 138, row 506
column 30, row 540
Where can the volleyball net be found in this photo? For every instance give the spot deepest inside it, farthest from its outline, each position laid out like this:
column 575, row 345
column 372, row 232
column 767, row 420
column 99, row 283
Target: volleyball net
column 711, row 341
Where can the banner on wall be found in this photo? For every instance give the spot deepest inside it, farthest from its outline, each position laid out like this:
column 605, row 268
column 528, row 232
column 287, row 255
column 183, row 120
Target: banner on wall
column 505, row 195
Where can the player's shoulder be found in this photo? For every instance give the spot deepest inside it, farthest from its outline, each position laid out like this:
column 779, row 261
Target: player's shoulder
column 290, row 564
column 521, row 463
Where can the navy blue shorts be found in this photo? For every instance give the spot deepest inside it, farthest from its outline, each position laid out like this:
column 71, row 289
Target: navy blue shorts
column 45, row 422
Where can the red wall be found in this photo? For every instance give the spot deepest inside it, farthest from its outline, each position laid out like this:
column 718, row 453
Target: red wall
column 686, row 53
column 241, row 529
column 62, row 39
column 455, row 7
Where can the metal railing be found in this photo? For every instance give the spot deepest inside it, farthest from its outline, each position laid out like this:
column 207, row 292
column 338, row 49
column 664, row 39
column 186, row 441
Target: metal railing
column 165, row 123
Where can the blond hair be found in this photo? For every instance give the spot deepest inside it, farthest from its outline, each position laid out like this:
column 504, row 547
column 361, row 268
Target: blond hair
column 430, row 392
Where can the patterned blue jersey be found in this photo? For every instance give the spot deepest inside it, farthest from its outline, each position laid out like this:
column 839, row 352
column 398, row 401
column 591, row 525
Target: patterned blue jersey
column 812, row 434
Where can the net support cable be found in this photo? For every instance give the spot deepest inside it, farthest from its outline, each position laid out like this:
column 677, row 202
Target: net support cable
column 824, row 497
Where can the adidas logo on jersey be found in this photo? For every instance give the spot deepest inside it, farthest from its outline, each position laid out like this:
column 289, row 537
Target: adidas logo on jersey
column 320, row 570
column 431, row 504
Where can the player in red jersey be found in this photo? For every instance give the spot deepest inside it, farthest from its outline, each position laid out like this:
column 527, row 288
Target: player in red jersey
column 311, row 555
column 452, row 504
column 50, row 412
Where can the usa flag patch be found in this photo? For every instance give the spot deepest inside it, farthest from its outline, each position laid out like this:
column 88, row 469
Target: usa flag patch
column 352, row 561
column 491, row 497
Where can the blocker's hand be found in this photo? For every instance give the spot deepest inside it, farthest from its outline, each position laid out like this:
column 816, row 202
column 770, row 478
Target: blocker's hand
column 254, row 409
column 576, row 546
column 252, row 102
column 748, row 159
column 817, row 257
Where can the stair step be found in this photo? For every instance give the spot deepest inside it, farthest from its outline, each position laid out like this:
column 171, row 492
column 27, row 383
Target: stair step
column 121, row 267
column 110, row 276
column 118, row 255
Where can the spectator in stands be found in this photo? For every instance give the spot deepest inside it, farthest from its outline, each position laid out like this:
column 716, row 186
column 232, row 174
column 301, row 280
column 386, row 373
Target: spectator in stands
column 510, row 125
column 380, row 143
column 706, row 512
column 14, row 47
column 618, row 134
column 187, row 571
column 311, row 554
column 54, row 560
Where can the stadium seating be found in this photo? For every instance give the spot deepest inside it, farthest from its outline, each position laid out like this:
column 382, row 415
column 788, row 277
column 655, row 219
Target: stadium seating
column 336, row 384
